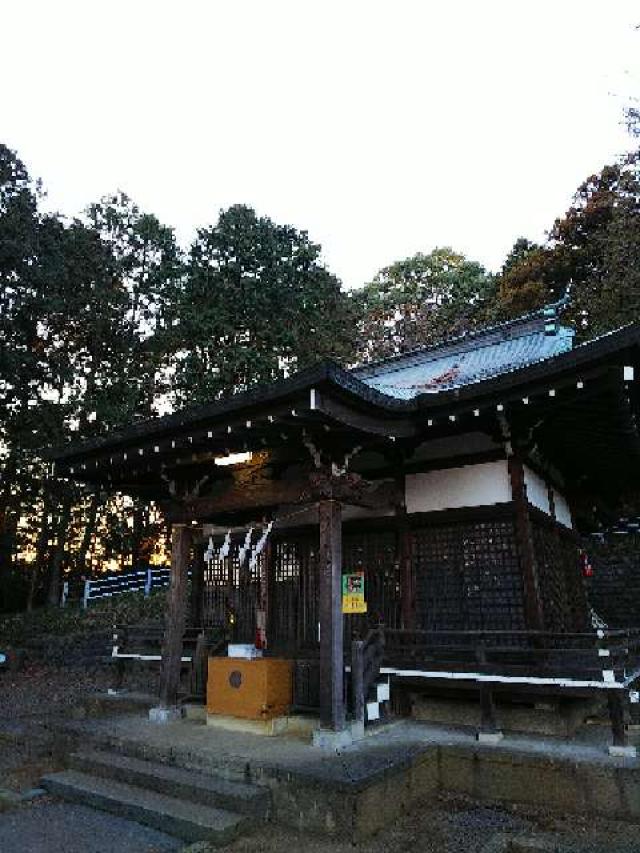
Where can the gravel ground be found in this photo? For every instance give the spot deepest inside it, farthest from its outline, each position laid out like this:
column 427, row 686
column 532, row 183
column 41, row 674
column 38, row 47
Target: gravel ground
column 53, row 827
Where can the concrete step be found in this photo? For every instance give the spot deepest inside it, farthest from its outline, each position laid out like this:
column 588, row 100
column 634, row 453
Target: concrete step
column 188, row 821
column 190, row 785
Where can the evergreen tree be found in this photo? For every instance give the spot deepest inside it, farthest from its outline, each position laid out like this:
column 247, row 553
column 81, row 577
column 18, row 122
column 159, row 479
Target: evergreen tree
column 257, row 305
column 420, row 300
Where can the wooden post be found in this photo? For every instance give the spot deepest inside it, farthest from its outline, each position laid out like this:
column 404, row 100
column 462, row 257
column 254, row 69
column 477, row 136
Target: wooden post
column 197, row 590
column 524, row 537
column 615, row 701
column 176, row 613
column 488, row 724
column 270, row 558
column 407, row 581
column 489, row 731
column 332, row 713
column 264, row 615
column 357, row 680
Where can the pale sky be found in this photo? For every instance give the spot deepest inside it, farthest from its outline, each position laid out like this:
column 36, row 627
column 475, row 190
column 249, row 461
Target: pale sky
column 382, row 128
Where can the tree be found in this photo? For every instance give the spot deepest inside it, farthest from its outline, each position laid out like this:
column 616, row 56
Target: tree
column 594, row 250
column 257, row 305
column 148, row 263
column 420, row 300
column 21, row 367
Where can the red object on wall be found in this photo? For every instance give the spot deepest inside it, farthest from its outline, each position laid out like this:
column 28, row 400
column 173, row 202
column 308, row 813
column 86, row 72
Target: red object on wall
column 587, row 568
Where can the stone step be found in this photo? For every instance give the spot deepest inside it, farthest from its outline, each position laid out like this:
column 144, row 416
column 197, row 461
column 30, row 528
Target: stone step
column 188, row 821
column 191, row 785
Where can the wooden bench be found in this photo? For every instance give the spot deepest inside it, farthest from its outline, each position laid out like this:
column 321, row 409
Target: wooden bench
column 143, row 644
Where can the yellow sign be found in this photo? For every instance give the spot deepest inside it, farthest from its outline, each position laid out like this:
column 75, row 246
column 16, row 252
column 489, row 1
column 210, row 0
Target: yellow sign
column 353, row 593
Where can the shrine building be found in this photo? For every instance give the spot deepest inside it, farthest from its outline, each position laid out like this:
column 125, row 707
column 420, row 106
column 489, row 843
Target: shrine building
column 432, row 500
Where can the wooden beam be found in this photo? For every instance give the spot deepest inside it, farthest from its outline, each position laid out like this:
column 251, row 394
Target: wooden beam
column 352, row 489
column 176, row 614
column 524, row 538
column 332, row 711
column 231, row 496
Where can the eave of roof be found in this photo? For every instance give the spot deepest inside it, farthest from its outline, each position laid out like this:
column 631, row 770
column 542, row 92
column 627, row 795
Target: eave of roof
column 332, row 376
column 326, row 373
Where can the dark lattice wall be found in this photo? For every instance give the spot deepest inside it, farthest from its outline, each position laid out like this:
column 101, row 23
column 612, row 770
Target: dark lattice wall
column 294, row 591
column 468, row 576
column 376, row 553
column 231, row 593
column 563, row 598
column 614, row 589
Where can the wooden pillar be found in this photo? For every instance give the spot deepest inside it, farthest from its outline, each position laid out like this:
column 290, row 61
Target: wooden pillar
column 357, row 680
column 176, row 614
column 332, row 712
column 264, row 619
column 488, row 724
column 196, row 606
column 531, row 587
column 616, row 703
column 271, row 602
column 407, row 580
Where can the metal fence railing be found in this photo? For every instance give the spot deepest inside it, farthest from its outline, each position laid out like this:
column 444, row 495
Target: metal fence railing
column 141, row 580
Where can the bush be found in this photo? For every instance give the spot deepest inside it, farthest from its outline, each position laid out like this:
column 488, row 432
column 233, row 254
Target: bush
column 129, row 608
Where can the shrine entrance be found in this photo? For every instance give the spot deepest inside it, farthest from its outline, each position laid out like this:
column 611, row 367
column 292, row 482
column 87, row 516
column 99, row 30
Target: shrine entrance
column 282, row 587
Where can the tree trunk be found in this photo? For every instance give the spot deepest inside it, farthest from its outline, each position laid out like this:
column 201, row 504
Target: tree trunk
column 84, row 565
column 137, row 534
column 42, row 546
column 53, row 598
column 7, row 521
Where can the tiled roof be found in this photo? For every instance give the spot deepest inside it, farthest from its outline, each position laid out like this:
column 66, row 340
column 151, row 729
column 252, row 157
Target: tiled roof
column 470, row 358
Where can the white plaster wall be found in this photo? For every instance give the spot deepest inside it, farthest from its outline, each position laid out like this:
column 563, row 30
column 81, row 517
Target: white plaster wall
column 537, row 490
column 449, row 488
column 563, row 513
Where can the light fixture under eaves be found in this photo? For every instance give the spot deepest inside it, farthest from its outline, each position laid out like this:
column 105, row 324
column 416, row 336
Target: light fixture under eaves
column 234, row 458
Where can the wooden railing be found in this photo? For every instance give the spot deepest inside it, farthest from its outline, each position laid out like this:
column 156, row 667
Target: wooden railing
column 553, row 662
column 604, row 657
column 366, row 658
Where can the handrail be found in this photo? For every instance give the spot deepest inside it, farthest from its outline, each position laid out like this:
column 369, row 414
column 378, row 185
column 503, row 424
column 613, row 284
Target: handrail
column 366, row 658
column 137, row 581
column 605, row 657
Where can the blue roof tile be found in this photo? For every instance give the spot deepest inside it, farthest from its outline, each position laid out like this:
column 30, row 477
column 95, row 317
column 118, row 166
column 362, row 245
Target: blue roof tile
column 470, row 358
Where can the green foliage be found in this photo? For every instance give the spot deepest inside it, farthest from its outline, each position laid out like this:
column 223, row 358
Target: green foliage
column 594, row 250
column 127, row 609
column 103, row 322
column 420, row 300
column 257, row 305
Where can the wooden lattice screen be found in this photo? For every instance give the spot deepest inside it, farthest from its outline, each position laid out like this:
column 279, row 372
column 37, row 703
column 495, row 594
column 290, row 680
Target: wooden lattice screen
column 376, row 553
column 561, row 590
column 231, row 594
column 468, row 577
